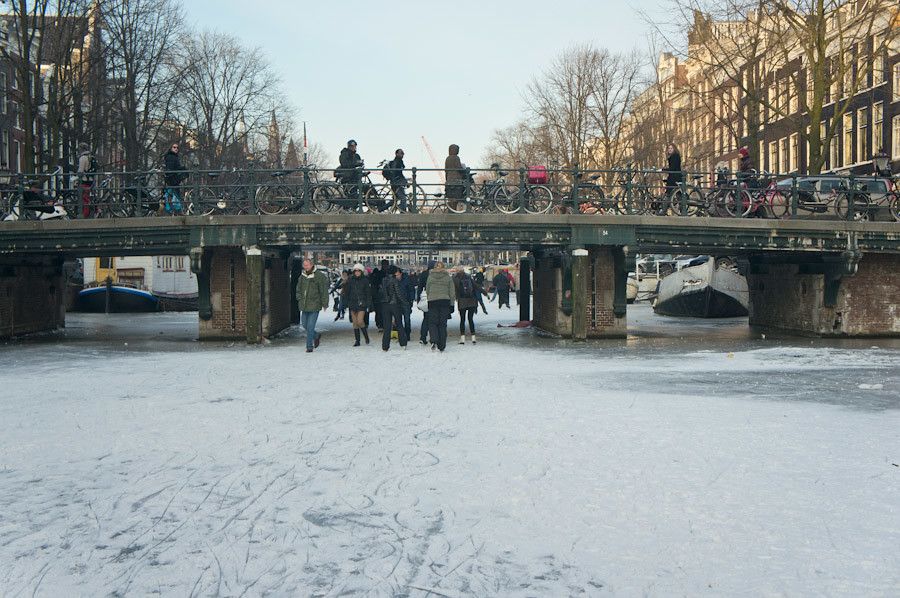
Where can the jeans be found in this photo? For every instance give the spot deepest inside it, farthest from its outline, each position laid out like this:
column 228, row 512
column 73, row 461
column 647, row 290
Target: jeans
column 392, row 315
column 400, row 195
column 308, row 320
column 438, row 312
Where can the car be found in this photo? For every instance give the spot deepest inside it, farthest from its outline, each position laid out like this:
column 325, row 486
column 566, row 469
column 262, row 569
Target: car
column 818, row 193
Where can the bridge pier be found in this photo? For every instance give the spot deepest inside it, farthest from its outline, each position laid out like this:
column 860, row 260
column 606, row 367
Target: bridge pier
column 580, row 293
column 32, row 295
column 848, row 294
column 244, row 293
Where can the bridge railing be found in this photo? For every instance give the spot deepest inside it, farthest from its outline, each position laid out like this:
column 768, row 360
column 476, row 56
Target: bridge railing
column 535, row 190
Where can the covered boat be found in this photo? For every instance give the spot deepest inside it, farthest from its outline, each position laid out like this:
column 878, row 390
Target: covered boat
column 115, row 299
column 704, row 288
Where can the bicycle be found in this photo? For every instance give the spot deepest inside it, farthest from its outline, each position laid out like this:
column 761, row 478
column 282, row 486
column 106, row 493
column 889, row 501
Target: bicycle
column 766, row 198
column 488, row 196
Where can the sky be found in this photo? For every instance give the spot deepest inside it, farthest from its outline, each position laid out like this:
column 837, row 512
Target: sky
column 388, row 73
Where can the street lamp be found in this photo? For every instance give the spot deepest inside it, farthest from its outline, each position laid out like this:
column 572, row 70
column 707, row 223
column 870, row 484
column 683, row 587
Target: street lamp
column 882, row 163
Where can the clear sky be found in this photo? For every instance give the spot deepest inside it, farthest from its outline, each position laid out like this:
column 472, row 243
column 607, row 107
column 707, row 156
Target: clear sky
column 387, row 72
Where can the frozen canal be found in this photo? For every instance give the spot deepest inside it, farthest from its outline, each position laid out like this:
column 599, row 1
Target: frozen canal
column 696, row 458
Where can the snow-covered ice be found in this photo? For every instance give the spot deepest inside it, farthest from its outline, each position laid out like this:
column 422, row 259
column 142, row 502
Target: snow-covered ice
column 522, row 466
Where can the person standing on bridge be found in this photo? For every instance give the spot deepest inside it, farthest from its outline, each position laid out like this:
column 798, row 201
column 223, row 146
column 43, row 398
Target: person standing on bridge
column 455, row 175
column 358, row 297
column 398, row 179
column 441, row 296
column 312, row 297
column 674, row 176
column 173, row 177
column 87, row 167
column 350, row 171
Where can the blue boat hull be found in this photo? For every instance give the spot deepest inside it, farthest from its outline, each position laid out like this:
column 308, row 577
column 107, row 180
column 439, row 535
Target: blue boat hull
column 121, row 300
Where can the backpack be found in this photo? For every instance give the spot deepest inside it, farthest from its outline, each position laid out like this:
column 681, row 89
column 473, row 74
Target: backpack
column 94, row 167
column 388, row 171
column 466, row 287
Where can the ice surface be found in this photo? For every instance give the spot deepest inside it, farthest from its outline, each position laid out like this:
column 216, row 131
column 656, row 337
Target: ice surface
column 522, row 466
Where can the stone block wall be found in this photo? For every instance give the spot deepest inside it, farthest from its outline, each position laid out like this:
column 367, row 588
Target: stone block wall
column 32, row 298
column 868, row 303
column 602, row 322
column 228, row 295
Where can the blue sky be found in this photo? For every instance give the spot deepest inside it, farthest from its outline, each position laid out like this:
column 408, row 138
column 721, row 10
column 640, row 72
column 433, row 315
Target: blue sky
column 386, row 73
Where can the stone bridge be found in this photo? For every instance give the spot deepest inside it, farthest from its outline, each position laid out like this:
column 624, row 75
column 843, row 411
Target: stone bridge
column 820, row 277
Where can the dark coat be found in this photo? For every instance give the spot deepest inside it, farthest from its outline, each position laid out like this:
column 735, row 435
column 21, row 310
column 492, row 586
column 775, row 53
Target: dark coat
column 395, row 169
column 408, row 288
column 463, row 301
column 501, row 282
column 172, row 166
column 394, row 294
column 358, row 294
column 350, row 163
column 453, row 166
column 375, row 279
column 673, row 168
column 420, row 286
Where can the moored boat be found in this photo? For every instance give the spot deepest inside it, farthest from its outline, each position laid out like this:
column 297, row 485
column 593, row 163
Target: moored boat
column 704, row 288
column 115, row 299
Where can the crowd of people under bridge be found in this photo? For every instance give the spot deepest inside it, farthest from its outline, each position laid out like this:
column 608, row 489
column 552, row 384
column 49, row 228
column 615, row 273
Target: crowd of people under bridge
column 388, row 294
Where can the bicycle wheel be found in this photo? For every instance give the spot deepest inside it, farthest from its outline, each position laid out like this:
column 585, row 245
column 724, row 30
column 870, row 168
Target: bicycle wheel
column 272, row 199
column 323, row 198
column 456, row 206
column 200, row 201
column 538, row 199
column 860, row 207
column 779, row 205
column 894, row 204
column 591, row 200
column 379, row 199
column 505, row 199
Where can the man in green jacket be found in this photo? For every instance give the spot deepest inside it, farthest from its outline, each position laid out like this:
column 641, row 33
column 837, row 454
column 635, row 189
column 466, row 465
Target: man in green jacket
column 312, row 297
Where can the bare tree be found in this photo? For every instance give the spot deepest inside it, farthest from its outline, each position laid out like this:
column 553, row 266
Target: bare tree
column 141, row 35
column 789, row 59
column 226, row 95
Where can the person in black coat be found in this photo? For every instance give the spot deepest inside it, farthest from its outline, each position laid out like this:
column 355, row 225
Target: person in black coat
column 674, row 176
column 394, row 306
column 377, row 278
column 357, row 296
column 350, row 170
column 173, row 177
column 398, row 179
column 501, row 286
column 408, row 287
column 420, row 288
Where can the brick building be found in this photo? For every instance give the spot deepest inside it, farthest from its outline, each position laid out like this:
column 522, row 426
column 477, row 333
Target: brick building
column 709, row 114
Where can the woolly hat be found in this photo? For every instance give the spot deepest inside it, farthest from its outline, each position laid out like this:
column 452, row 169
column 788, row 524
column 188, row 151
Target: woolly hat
column 743, row 152
column 359, row 267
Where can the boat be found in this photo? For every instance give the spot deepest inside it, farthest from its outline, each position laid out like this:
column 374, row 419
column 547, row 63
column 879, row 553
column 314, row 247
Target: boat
column 703, row 287
column 643, row 282
column 115, row 298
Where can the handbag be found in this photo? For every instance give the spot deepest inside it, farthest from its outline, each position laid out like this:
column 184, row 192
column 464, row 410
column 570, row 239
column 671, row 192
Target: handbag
column 423, row 302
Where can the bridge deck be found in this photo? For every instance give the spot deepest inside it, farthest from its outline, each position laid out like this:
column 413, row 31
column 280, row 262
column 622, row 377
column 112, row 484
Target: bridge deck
column 176, row 235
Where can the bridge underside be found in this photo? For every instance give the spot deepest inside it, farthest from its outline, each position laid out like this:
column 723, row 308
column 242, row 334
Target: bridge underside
column 246, row 273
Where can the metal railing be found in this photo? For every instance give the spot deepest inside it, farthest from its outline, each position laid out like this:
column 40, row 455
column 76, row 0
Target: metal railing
column 311, row 190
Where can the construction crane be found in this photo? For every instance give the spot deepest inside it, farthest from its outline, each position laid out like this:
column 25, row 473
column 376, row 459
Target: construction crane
column 433, row 159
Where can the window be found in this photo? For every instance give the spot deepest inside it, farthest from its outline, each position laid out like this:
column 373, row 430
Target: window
column 877, row 127
column 897, row 82
column 878, row 62
column 18, row 158
column 833, row 153
column 3, row 82
column 4, row 150
column 773, row 155
column 105, row 262
column 784, row 154
column 762, row 155
column 862, row 69
column 895, row 137
column 795, row 152
column 862, row 128
column 848, row 140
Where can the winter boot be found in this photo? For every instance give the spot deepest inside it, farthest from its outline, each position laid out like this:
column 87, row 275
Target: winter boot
column 462, row 339
column 473, row 339
column 356, row 336
column 365, row 332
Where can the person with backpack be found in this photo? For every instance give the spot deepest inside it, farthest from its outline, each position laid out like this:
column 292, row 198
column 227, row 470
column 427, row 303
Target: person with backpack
column 441, row 297
column 312, row 297
column 174, row 174
column 87, row 167
column 357, row 293
column 394, row 306
column 466, row 303
column 393, row 173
